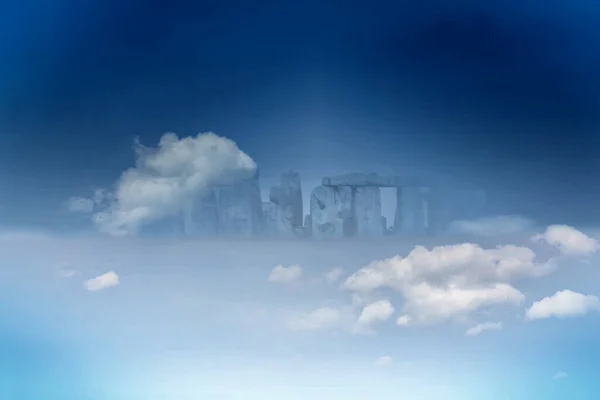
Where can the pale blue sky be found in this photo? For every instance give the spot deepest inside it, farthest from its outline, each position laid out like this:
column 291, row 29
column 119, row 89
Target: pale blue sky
column 202, row 320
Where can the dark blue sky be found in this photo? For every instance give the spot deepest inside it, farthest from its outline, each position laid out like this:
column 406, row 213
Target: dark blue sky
column 502, row 96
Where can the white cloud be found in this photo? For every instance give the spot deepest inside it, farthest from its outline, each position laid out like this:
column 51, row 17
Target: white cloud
column 281, row 274
column 427, row 304
column 403, row 320
column 492, row 226
column 375, row 312
column 462, row 263
column 80, row 205
column 334, row 274
column 560, row 375
column 319, row 319
column 563, row 304
column 385, row 361
column 168, row 177
column 449, row 282
column 102, row 282
column 568, row 240
column 486, row 326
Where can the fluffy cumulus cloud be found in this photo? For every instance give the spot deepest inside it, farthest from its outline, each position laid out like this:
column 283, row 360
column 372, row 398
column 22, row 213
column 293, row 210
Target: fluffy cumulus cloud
column 449, row 282
column 563, row 304
column 281, row 274
column 486, row 326
column 375, row 312
column 168, row 177
column 568, row 240
column 102, row 282
column 492, row 226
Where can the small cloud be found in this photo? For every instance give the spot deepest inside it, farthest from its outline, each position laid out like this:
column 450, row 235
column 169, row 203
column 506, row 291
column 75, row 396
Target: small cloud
column 486, row 326
column 375, row 312
column 403, row 320
column 102, row 282
column 492, row 226
column 563, row 304
column 385, row 361
column 334, row 274
column 560, row 375
column 568, row 240
column 281, row 274
column 80, row 205
column 320, row 319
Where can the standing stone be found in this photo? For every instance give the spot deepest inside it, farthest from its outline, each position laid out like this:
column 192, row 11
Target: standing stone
column 286, row 216
column 292, row 197
column 307, row 225
column 397, row 228
column 367, row 211
column 277, row 222
column 331, row 212
column 240, row 209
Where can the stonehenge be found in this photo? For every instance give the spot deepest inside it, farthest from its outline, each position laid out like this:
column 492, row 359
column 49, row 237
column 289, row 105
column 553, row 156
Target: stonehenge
column 343, row 206
column 350, row 206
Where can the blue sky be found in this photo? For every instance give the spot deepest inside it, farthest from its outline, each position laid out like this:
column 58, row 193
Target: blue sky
column 100, row 317
column 502, row 97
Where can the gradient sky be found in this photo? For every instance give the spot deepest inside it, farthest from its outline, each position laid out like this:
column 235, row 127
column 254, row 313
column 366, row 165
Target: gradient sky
column 502, row 96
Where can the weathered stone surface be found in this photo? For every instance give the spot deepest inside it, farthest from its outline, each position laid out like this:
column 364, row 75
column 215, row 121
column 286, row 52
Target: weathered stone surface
column 344, row 206
column 367, row 211
column 308, row 225
column 277, row 223
column 240, row 209
column 287, row 215
column 331, row 212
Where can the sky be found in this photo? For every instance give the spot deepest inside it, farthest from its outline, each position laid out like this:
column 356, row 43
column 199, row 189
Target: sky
column 499, row 96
